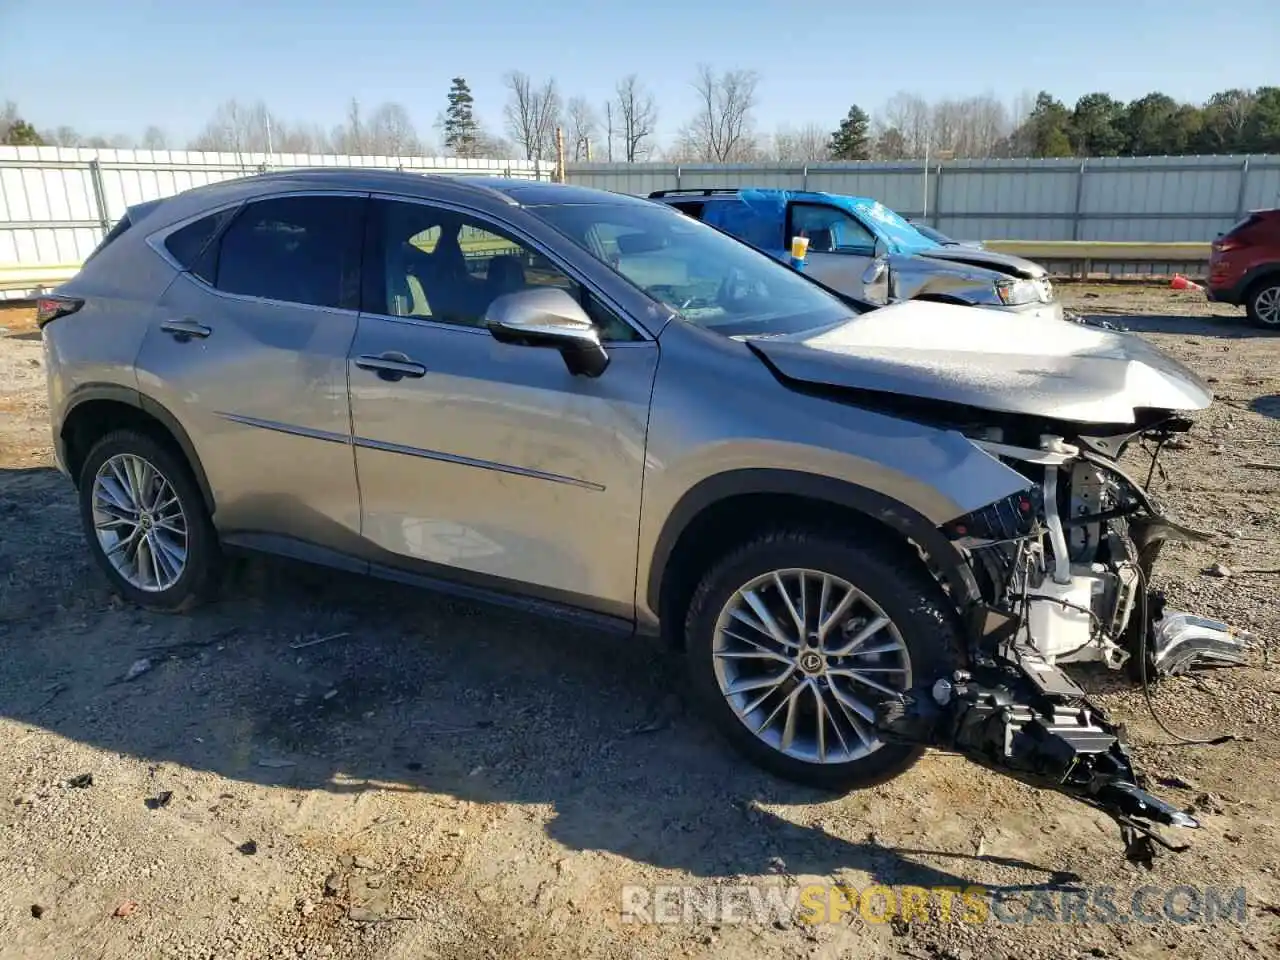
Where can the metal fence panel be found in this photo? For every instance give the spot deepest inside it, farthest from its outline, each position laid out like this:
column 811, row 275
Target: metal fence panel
column 55, row 202
column 1146, row 199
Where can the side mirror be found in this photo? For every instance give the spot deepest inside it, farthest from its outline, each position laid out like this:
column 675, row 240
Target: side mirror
column 549, row 317
column 877, row 282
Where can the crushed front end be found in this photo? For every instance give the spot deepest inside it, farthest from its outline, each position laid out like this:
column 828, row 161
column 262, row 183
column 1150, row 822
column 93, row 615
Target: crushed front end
column 1064, row 570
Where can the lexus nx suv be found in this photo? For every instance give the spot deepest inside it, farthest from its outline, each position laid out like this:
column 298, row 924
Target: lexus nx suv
column 872, row 531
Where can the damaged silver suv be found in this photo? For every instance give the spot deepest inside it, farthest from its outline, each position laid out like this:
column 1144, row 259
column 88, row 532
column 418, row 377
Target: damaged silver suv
column 873, row 531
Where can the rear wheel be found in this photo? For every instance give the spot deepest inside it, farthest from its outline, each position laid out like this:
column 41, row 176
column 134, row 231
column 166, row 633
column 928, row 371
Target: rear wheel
column 1264, row 304
column 146, row 522
column 796, row 636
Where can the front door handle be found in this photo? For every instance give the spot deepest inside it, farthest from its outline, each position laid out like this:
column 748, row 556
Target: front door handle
column 391, row 366
column 185, row 329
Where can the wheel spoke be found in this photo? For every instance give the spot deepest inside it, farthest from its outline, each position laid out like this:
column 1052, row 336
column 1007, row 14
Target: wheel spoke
column 791, row 607
column 771, row 625
column 786, row 703
column 756, row 644
column 861, row 637
column 853, row 703
column 820, row 722
column 113, row 494
column 789, row 725
column 836, row 615
column 872, row 651
column 113, row 522
column 757, row 683
column 859, row 676
column 758, row 654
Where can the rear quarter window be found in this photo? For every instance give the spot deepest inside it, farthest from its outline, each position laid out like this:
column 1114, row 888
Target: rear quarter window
column 187, row 244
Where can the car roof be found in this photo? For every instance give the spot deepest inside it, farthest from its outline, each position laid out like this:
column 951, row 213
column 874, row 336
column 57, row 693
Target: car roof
column 486, row 193
column 409, row 183
column 710, row 192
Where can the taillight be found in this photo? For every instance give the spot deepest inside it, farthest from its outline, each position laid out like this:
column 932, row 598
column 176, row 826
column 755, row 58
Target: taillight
column 51, row 308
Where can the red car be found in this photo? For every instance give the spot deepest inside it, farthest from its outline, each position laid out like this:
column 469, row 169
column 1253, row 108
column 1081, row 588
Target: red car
column 1244, row 267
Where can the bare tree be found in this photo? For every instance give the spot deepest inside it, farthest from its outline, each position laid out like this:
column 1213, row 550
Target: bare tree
column 153, row 138
column 391, row 133
column 721, row 131
column 638, row 115
column 63, row 136
column 350, row 137
column 532, row 113
column 910, row 114
column 809, row 144
column 581, row 129
column 238, row 128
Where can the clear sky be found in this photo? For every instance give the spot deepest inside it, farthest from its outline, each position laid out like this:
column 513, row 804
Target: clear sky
column 115, row 67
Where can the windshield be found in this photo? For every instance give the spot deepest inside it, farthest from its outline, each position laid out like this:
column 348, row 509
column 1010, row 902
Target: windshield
column 707, row 277
column 901, row 235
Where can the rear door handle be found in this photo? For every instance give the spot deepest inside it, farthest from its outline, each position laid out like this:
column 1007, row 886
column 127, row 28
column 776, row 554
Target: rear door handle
column 391, row 366
column 185, row 329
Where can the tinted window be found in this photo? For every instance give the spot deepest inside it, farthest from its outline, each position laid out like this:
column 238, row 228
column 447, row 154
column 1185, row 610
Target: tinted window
column 830, row 230
column 187, row 243
column 439, row 265
column 296, row 249
column 112, row 235
column 705, row 276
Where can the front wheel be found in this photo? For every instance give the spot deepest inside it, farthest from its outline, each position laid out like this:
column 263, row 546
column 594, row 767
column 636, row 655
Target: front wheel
column 146, row 522
column 793, row 639
column 1264, row 304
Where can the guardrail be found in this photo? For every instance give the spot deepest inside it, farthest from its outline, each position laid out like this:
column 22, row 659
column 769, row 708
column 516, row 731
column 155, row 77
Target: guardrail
column 1083, row 259
column 1064, row 259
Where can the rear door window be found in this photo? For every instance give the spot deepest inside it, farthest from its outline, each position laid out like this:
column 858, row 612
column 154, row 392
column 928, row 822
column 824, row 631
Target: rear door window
column 296, row 250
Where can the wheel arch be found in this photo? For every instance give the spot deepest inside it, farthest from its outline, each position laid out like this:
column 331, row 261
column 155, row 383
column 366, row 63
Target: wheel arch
column 697, row 530
column 98, row 408
column 1251, row 281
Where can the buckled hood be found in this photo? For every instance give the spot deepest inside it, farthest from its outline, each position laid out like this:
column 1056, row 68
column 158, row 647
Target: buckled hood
column 991, row 360
column 1005, row 263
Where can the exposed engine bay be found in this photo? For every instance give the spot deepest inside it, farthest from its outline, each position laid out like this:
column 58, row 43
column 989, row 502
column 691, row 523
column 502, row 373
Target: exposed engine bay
column 1064, row 571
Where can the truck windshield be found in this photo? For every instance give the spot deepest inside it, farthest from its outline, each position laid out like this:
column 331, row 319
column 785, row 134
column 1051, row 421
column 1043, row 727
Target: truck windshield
column 705, row 276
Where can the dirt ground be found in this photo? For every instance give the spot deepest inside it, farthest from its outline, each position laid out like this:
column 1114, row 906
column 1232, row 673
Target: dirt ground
column 437, row 779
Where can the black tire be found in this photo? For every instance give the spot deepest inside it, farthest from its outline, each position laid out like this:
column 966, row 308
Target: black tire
column 908, row 596
column 1264, row 292
column 199, row 579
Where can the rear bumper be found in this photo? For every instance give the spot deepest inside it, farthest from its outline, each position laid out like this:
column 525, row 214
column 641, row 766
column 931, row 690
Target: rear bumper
column 1229, row 295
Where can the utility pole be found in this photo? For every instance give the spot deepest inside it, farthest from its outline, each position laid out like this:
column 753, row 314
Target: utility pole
column 608, row 119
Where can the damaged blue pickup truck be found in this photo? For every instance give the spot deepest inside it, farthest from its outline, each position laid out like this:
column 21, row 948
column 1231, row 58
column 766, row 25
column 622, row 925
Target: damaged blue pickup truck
column 860, row 247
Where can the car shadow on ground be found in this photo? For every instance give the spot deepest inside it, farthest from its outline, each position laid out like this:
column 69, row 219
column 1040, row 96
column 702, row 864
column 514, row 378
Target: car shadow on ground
column 1230, row 328
column 1268, row 406
column 318, row 680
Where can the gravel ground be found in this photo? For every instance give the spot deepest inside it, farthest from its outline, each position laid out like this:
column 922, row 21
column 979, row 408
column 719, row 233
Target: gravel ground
column 436, row 779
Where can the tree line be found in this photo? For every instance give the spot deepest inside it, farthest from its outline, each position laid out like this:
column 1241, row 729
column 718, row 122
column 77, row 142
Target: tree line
column 723, row 126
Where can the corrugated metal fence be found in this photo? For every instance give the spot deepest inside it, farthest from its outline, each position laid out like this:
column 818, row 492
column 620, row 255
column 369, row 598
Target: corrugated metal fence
column 1148, row 199
column 56, row 202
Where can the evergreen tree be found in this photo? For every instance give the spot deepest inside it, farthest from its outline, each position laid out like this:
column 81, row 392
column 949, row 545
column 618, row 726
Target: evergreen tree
column 460, row 131
column 853, row 140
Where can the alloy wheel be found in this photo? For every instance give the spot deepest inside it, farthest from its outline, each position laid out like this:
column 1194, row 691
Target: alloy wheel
column 802, row 657
column 1267, row 306
column 139, row 521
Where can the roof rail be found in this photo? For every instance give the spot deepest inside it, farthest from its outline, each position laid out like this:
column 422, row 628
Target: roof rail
column 692, row 192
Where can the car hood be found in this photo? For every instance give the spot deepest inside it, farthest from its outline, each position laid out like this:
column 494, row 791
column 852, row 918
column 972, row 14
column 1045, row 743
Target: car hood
column 988, row 260
column 990, row 359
